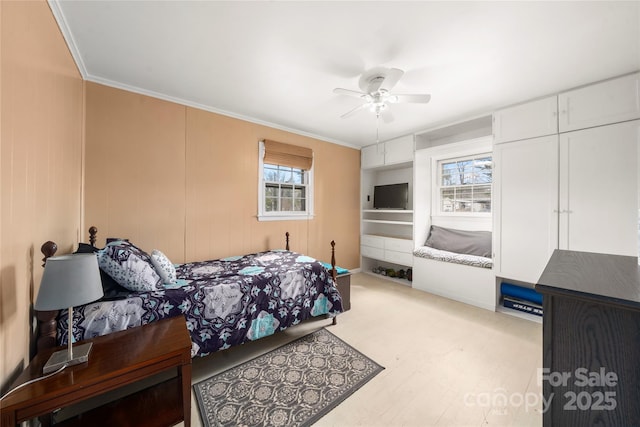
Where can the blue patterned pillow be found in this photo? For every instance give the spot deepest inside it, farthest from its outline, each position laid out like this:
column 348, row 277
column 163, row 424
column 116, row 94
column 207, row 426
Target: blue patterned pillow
column 129, row 265
column 164, row 267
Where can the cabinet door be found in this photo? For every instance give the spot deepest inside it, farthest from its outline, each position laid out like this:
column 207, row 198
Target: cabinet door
column 600, row 104
column 399, row 150
column 599, row 189
column 372, row 156
column 530, row 120
column 526, row 198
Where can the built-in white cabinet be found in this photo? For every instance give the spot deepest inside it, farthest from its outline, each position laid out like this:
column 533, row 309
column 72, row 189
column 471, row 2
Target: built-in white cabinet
column 391, row 249
column 392, row 152
column 372, row 156
column 528, row 120
column 599, row 104
column 611, row 101
column 525, row 207
column 386, row 235
column 575, row 190
column 598, row 209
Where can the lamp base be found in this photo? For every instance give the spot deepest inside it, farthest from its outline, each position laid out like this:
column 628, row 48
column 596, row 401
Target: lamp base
column 60, row 358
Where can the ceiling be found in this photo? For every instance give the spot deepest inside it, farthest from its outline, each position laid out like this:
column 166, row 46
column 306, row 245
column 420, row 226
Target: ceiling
column 277, row 63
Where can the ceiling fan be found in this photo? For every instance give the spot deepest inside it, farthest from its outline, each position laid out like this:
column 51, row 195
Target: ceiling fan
column 376, row 85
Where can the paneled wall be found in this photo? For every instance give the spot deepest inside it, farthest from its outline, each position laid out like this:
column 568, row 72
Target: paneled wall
column 135, row 171
column 164, row 175
column 185, row 181
column 41, row 119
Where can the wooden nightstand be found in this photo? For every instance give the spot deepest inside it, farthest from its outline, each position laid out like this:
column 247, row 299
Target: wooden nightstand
column 116, row 360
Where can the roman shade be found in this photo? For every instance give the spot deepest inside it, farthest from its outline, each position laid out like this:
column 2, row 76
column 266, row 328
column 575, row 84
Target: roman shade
column 279, row 153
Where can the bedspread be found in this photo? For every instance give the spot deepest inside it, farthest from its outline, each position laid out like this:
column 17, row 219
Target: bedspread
column 225, row 302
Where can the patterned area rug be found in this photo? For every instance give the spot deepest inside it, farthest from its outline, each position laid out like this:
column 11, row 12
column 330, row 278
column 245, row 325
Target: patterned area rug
column 293, row 385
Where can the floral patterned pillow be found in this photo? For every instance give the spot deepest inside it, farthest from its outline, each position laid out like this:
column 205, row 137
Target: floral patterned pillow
column 129, row 265
column 164, row 267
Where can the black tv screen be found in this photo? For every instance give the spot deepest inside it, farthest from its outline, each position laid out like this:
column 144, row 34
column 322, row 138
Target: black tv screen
column 393, row 196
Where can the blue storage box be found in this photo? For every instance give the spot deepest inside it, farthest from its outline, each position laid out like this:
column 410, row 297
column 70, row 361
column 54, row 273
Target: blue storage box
column 527, row 294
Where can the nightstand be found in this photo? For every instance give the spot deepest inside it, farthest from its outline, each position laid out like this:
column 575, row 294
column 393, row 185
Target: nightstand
column 116, row 360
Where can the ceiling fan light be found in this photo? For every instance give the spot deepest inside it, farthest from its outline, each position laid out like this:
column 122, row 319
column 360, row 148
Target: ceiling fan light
column 377, row 107
column 376, row 85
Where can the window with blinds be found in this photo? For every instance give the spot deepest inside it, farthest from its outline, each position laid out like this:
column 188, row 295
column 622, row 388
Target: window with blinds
column 286, row 173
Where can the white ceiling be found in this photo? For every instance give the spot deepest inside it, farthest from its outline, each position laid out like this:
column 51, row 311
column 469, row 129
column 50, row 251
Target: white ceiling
column 278, row 62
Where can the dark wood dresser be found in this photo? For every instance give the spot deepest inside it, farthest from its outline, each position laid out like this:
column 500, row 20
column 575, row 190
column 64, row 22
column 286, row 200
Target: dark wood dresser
column 591, row 339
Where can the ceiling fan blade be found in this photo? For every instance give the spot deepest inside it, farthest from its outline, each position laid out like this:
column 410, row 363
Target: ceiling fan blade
column 349, row 92
column 420, row 99
column 391, row 79
column 355, row 110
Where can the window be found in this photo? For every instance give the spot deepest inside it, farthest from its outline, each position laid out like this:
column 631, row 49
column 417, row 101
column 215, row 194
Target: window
column 464, row 184
column 286, row 177
column 285, row 189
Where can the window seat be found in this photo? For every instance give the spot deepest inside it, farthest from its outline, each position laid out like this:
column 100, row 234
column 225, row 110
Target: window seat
column 461, row 277
column 456, row 258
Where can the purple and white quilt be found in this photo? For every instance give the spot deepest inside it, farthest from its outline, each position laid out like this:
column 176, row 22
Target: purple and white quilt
column 225, row 302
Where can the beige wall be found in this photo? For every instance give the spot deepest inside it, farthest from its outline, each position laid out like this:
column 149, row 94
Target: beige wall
column 41, row 115
column 135, row 170
column 164, row 175
column 185, row 181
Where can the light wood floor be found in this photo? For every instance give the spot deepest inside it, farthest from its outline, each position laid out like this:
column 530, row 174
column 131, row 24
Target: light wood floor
column 447, row 363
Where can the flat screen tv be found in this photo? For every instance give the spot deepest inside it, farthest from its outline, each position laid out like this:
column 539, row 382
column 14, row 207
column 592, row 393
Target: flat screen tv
column 392, row 196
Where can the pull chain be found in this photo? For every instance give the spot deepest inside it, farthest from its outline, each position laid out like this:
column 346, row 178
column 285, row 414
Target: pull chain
column 378, row 131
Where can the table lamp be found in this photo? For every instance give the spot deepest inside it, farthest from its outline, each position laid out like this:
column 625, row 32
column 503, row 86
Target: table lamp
column 69, row 281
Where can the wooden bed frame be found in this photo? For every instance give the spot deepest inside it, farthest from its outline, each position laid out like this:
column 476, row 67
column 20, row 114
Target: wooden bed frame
column 47, row 323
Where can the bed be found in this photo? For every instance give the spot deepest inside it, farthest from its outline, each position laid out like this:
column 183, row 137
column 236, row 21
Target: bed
column 225, row 302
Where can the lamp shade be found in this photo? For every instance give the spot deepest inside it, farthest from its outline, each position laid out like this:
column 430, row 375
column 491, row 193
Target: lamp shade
column 69, row 281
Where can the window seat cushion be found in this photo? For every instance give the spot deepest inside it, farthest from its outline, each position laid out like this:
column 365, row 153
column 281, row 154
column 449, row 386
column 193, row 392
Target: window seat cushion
column 446, row 256
column 460, row 241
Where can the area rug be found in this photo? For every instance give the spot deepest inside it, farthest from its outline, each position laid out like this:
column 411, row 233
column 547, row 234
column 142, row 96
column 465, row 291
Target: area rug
column 293, row 385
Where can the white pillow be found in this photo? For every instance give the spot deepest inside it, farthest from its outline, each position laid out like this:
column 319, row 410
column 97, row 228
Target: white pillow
column 129, row 266
column 164, row 267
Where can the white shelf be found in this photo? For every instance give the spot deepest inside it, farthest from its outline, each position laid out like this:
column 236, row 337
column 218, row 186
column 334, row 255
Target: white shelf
column 388, row 221
column 403, row 282
column 386, row 234
column 391, row 211
column 516, row 313
column 393, row 236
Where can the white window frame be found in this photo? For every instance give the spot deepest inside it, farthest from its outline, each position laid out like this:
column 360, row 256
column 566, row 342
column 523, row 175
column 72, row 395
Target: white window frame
column 466, row 149
column 263, row 214
column 440, row 186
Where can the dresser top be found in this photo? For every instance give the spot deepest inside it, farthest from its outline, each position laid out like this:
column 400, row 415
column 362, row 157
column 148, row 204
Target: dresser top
column 601, row 278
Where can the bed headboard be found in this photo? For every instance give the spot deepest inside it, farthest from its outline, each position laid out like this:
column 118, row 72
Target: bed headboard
column 47, row 326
